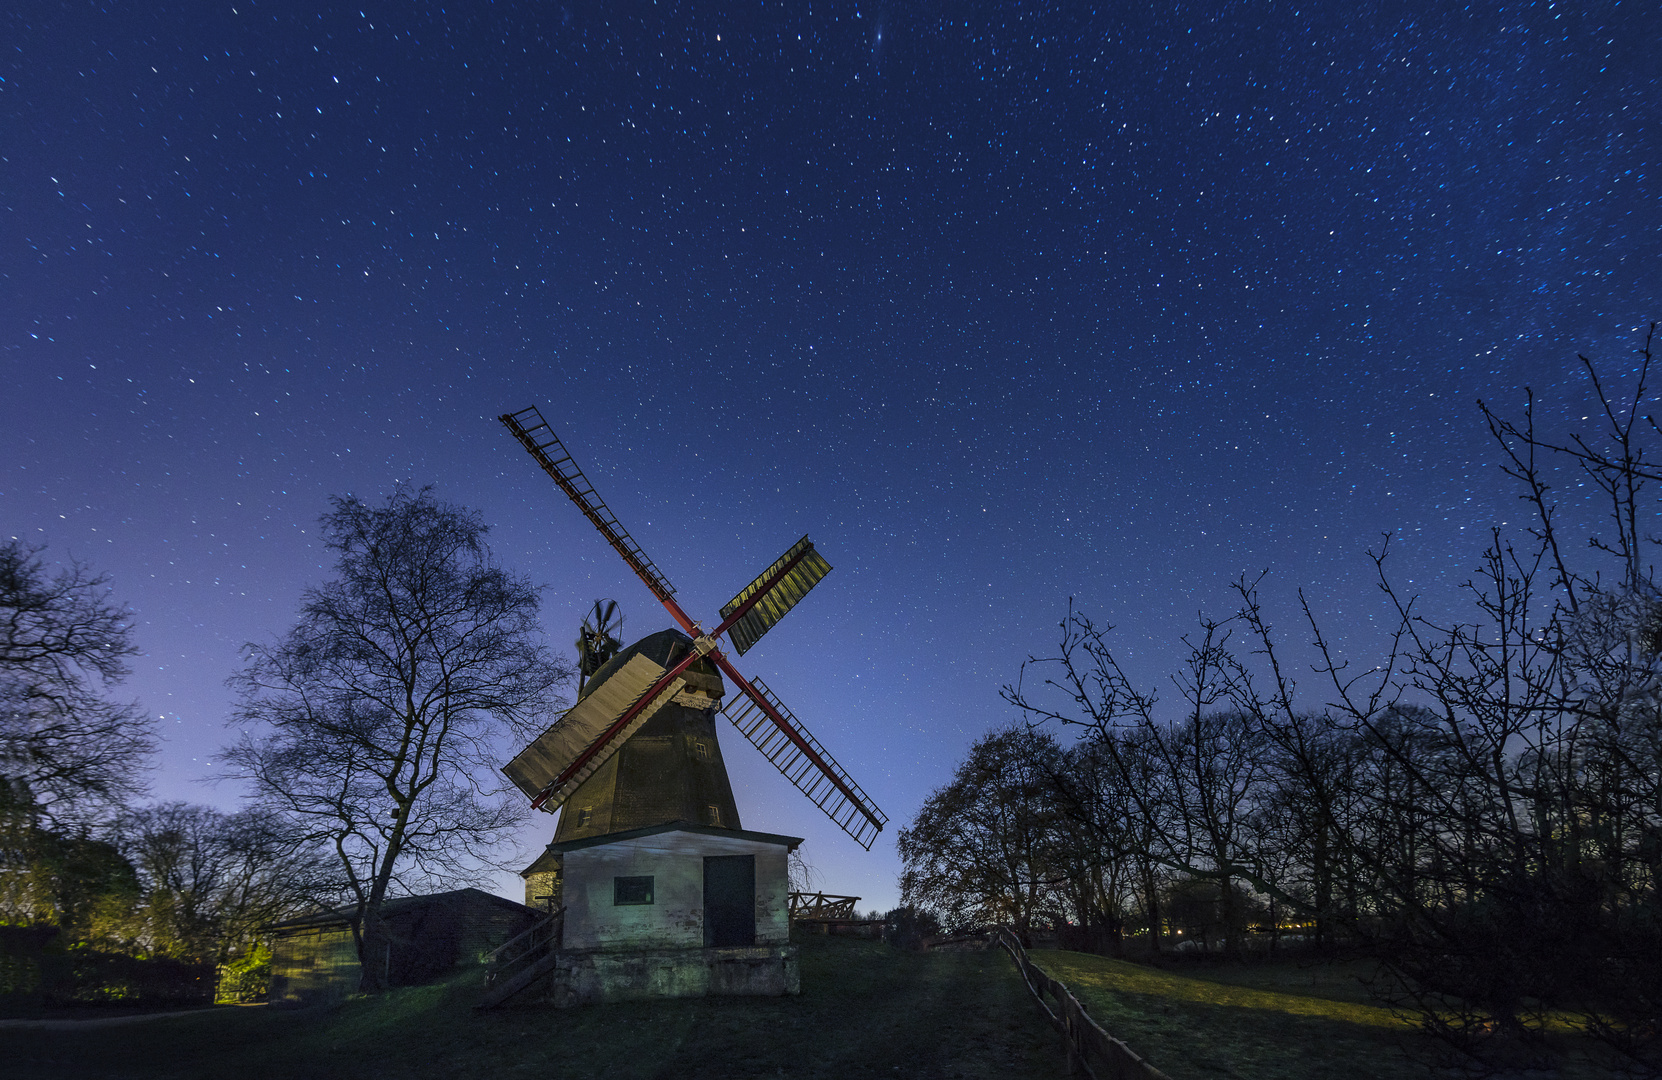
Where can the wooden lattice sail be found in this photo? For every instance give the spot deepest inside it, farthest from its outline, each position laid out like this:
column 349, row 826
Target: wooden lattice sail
column 551, row 764
column 774, row 593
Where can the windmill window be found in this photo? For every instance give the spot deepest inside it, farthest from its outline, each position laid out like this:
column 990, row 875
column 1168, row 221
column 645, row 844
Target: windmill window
column 628, row 891
column 584, row 816
column 712, row 815
column 701, row 751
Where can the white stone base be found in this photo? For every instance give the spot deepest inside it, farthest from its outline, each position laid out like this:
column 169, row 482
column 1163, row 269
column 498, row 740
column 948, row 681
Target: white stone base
column 591, row 976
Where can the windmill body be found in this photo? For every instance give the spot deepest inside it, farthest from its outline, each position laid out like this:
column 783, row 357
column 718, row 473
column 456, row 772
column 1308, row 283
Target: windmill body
column 661, row 891
column 670, row 770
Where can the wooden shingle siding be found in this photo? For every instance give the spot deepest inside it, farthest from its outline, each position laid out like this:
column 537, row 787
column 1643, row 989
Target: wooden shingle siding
column 542, row 889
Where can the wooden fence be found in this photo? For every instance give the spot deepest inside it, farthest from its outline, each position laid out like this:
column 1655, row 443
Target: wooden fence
column 820, row 905
column 1092, row 1051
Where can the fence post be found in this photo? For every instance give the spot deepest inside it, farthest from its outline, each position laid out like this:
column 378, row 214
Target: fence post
column 1070, row 1037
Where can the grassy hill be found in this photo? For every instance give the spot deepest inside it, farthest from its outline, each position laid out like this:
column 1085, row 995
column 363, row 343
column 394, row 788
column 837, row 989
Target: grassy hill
column 1281, row 1021
column 866, row 1010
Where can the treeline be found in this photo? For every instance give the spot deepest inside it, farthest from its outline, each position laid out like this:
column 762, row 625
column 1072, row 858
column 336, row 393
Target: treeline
column 1480, row 808
column 86, row 869
column 1226, row 834
column 173, row 882
column 366, row 742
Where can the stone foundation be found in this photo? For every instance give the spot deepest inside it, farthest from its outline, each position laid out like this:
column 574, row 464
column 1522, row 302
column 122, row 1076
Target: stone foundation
column 591, row 976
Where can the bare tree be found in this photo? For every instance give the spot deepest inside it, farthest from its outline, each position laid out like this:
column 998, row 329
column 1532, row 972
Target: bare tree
column 1214, row 768
column 1095, row 846
column 208, row 880
column 67, row 753
column 374, row 727
column 802, row 875
column 1190, row 781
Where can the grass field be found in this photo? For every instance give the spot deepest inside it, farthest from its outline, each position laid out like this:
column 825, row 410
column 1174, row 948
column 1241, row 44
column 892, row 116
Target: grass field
column 866, row 1010
column 1281, row 1021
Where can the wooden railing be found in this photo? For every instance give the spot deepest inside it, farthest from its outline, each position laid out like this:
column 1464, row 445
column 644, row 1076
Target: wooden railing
column 822, row 906
column 523, row 959
column 526, row 941
column 1091, row 1051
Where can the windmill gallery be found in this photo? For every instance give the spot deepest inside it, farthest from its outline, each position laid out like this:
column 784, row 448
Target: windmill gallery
column 651, row 886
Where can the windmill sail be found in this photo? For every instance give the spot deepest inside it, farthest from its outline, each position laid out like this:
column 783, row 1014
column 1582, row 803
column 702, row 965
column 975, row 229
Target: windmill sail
column 542, row 763
column 842, row 800
column 556, row 460
column 805, row 569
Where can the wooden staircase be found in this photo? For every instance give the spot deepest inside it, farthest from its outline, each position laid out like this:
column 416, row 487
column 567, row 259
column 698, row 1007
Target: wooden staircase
column 522, row 960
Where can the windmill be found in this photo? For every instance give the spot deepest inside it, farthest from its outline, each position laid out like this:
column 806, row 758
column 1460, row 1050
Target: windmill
column 653, row 675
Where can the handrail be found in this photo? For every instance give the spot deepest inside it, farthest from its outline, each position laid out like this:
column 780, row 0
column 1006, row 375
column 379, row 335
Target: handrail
column 540, row 955
column 818, row 905
column 496, row 954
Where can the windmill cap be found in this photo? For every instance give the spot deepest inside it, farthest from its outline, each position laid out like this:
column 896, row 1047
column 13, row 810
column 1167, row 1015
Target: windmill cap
column 666, row 648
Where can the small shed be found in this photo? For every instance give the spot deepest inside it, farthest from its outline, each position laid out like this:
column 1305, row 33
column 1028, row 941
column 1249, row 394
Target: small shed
column 674, row 910
column 315, row 958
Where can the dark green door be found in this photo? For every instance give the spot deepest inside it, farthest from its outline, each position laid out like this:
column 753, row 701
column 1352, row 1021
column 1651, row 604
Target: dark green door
column 729, row 900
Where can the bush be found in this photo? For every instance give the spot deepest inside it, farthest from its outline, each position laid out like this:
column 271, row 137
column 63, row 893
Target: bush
column 39, row 969
column 245, row 979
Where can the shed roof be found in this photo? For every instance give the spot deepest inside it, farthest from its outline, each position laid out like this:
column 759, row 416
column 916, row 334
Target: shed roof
column 398, row 905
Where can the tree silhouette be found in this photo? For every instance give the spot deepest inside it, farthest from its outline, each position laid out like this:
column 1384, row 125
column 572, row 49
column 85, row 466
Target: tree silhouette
column 67, row 753
column 374, row 727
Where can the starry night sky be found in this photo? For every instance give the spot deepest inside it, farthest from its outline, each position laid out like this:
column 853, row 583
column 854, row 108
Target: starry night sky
column 1001, row 303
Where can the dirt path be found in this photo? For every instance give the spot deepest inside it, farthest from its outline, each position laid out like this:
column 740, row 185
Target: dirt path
column 99, row 1021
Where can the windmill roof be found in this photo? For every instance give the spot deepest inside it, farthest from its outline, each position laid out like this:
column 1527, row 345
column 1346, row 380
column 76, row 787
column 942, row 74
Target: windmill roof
column 663, row 648
column 673, row 826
